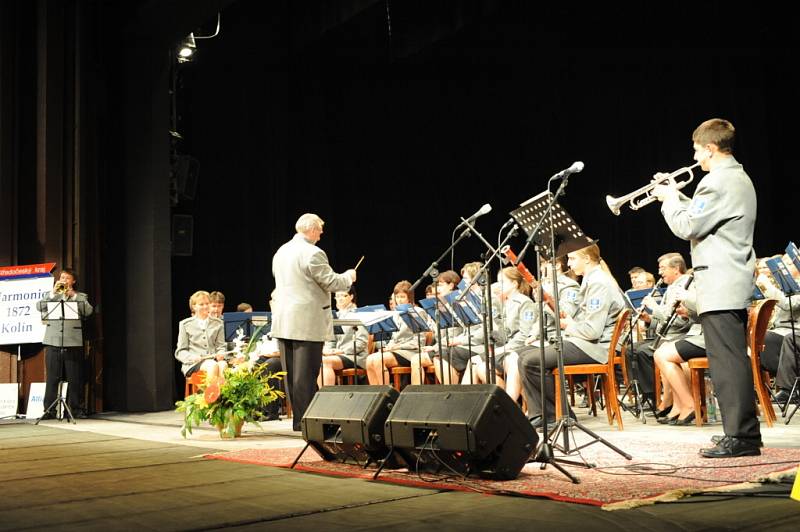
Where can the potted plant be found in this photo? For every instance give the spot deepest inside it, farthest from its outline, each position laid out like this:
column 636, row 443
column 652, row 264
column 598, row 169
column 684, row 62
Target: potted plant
column 228, row 402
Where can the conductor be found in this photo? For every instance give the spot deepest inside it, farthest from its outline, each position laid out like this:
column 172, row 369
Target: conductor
column 301, row 312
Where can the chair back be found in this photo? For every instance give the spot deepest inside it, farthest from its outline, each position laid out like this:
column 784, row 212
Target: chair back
column 757, row 324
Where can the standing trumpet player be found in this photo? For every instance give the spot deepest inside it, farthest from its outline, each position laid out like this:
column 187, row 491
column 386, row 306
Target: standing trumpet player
column 63, row 340
column 718, row 221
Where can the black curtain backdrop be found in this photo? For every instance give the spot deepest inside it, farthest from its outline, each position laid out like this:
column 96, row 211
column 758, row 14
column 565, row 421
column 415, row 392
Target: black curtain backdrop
column 390, row 119
column 391, row 139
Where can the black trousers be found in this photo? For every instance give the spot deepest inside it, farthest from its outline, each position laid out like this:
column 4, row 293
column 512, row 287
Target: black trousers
column 64, row 364
column 529, row 370
column 772, row 352
column 787, row 366
column 273, row 365
column 646, row 366
column 725, row 333
column 301, row 360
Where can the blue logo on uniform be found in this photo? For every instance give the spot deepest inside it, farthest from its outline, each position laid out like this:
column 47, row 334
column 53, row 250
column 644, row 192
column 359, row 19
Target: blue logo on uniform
column 594, row 303
column 572, row 295
column 698, row 206
column 527, row 315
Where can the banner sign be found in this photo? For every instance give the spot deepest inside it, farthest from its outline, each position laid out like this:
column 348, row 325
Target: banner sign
column 21, row 287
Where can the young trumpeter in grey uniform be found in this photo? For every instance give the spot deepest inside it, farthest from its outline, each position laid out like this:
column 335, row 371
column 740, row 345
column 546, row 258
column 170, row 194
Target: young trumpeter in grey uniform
column 719, row 221
column 586, row 337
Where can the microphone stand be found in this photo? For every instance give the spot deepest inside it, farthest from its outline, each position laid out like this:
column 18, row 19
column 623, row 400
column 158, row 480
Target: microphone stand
column 487, row 314
column 433, row 272
column 544, row 452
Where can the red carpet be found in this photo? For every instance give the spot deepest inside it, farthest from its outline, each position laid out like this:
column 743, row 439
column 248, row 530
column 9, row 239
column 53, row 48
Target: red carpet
column 665, row 472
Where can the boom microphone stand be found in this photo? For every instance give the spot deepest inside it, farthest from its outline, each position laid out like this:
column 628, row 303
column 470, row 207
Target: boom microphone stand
column 571, row 239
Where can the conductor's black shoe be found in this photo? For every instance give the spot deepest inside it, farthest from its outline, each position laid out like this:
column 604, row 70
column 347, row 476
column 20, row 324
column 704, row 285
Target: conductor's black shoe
column 715, row 439
column 729, row 447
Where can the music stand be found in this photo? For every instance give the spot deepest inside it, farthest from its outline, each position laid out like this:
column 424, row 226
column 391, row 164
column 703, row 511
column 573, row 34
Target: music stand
column 790, row 288
column 380, row 324
column 554, row 233
column 444, row 319
column 418, row 325
column 353, row 321
column 60, row 311
column 469, row 316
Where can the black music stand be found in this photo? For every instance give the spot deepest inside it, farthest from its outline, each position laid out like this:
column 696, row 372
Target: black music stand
column 443, row 318
column 469, row 316
column 418, row 325
column 555, row 234
column 380, row 324
column 59, row 309
column 790, row 288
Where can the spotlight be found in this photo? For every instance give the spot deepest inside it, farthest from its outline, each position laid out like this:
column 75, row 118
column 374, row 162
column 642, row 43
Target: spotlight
column 186, row 49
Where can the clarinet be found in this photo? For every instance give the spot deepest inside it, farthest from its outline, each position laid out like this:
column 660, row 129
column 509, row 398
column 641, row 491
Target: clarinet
column 664, row 329
column 640, row 311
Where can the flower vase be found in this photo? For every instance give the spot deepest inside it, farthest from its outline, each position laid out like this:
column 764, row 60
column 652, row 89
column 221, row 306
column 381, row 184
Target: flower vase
column 237, row 429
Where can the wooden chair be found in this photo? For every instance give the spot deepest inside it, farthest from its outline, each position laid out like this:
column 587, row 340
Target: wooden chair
column 605, row 371
column 757, row 322
column 193, row 383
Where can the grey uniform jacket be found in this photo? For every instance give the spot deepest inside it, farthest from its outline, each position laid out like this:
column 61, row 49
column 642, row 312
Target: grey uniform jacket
column 474, row 340
column 568, row 299
column 663, row 311
column 718, row 222
column 196, row 341
column 601, row 301
column 695, row 334
column 782, row 315
column 302, row 299
column 404, row 341
column 72, row 329
column 520, row 322
column 344, row 342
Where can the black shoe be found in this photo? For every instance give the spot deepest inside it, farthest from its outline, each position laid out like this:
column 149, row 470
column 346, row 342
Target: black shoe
column 729, row 447
column 678, row 422
column 715, row 439
column 667, row 420
column 538, row 421
column 783, row 395
column 663, row 413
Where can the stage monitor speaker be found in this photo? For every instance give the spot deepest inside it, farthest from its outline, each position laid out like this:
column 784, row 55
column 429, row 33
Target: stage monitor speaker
column 345, row 423
column 475, row 429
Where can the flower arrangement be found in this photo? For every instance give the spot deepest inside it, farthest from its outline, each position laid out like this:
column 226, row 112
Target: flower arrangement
column 228, row 402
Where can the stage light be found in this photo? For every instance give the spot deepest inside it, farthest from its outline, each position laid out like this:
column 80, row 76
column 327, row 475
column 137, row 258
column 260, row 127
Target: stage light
column 186, row 49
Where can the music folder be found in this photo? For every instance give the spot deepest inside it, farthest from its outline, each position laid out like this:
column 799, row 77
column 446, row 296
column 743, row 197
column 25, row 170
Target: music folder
column 412, row 318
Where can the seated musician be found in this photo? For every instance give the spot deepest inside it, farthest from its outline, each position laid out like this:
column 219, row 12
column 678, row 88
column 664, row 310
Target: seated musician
column 672, row 269
column 447, row 282
column 778, row 357
column 519, row 322
column 201, row 339
column 670, row 358
column 586, row 337
column 568, row 295
column 338, row 354
column 402, row 347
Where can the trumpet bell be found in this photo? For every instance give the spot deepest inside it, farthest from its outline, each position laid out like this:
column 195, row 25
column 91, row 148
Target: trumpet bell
column 614, row 204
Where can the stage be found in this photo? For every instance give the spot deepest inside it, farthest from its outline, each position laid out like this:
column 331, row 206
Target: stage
column 125, row 471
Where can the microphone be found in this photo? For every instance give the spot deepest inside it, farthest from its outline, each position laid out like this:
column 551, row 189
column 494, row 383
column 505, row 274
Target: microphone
column 576, row 167
column 483, row 210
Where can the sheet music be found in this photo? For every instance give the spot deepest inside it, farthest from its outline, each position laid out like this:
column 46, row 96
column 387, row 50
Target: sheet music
column 70, row 310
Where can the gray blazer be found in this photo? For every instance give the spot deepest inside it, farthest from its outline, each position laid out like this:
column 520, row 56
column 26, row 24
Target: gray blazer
column 718, row 222
column 601, row 301
column 520, row 322
column 344, row 342
column 782, row 315
column 72, row 329
column 662, row 312
column 303, row 284
column 195, row 341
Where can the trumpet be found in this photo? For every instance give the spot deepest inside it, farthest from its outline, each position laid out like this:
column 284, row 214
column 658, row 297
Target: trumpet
column 60, row 288
column 646, row 192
